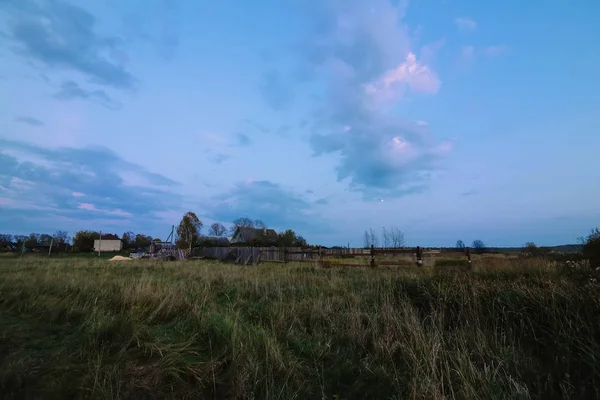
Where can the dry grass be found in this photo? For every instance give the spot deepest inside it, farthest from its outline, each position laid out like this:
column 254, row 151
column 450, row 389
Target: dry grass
column 92, row 329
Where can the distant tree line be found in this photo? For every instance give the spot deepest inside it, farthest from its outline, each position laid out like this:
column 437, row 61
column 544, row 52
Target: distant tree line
column 390, row 238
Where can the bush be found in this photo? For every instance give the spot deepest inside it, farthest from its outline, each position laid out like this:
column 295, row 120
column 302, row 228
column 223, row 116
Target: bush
column 591, row 248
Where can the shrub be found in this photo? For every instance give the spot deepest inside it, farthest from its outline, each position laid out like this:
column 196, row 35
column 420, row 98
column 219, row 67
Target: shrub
column 451, row 262
column 591, row 248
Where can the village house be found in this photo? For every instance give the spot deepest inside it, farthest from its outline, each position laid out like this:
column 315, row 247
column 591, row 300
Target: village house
column 108, row 243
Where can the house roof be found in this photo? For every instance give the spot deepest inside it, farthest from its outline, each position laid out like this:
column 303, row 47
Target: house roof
column 247, row 234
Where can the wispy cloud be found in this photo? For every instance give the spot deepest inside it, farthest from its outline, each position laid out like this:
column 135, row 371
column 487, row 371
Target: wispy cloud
column 70, row 90
column 30, row 121
column 64, row 176
column 62, row 35
column 467, row 52
column 465, row 24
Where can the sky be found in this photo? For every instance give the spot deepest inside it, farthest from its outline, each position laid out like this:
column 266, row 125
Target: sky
column 448, row 119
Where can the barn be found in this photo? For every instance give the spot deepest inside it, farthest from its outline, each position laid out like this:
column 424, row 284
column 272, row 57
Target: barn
column 108, row 243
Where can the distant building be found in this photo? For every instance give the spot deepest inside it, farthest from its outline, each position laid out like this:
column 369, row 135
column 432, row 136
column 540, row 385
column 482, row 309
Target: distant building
column 108, row 243
column 260, row 236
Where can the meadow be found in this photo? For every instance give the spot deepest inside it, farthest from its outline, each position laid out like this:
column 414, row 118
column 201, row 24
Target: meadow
column 518, row 328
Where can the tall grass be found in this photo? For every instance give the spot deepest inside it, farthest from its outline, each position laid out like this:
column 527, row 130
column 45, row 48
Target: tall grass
column 142, row 329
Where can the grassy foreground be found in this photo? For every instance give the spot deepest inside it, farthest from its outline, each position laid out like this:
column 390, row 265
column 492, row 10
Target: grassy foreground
column 94, row 329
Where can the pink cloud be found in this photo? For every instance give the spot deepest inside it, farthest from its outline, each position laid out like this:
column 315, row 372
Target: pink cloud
column 417, row 77
column 92, row 207
column 87, row 206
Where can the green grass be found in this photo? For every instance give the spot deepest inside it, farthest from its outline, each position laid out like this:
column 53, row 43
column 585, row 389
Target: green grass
column 88, row 328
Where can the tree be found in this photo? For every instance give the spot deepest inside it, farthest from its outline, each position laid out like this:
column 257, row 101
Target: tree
column 5, row 242
column 367, row 239
column 243, row 222
column 591, row 248
column 385, row 234
column 259, row 224
column 188, row 231
column 287, row 239
column 128, row 239
column 33, row 240
column 18, row 240
column 142, row 240
column 217, row 229
column 61, row 237
column 478, row 246
column 301, row 242
column 44, row 239
column 84, row 240
column 396, row 238
column 374, row 238
column 460, row 245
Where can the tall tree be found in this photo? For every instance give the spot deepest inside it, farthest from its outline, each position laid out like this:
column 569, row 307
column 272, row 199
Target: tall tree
column 188, row 231
column 396, row 238
column 385, row 235
column 460, row 245
column 217, row 229
column 259, row 224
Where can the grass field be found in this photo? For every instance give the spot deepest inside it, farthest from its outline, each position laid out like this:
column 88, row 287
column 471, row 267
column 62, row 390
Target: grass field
column 86, row 328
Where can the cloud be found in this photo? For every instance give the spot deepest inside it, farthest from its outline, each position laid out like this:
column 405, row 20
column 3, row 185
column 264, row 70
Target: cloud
column 278, row 207
column 419, row 78
column 30, row 121
column 469, row 193
column 62, row 35
column 494, row 51
column 360, row 54
column 274, row 91
column 243, row 140
column 465, row 24
column 92, row 207
column 70, row 90
column 56, row 184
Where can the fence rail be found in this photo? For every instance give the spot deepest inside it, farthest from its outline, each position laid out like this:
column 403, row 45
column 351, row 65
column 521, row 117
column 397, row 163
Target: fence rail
column 325, row 257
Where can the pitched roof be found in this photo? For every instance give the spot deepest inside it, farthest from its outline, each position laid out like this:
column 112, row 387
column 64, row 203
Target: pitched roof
column 247, row 234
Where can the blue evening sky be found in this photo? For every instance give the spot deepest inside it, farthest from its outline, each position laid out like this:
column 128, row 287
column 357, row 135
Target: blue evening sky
column 449, row 119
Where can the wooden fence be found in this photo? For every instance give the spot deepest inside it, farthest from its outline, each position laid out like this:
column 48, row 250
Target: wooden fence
column 338, row 257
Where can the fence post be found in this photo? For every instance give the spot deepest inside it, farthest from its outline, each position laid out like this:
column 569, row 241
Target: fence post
column 372, row 256
column 285, row 255
column 469, row 257
column 419, row 256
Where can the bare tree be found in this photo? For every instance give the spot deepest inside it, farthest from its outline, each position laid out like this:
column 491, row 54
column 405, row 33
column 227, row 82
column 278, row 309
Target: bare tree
column 396, row 238
column 243, row 222
column 217, row 229
column 259, row 224
column 478, row 246
column 367, row 238
column 460, row 245
column 374, row 238
column 385, row 234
